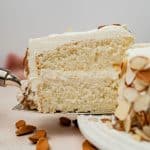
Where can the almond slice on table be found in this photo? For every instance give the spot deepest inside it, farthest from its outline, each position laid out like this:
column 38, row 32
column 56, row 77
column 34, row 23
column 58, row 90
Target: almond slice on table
column 146, row 130
column 130, row 94
column 42, row 144
column 25, row 130
column 129, row 77
column 64, row 121
column 144, row 76
column 37, row 135
column 138, row 62
column 142, row 103
column 141, row 133
column 87, row 146
column 139, row 85
column 122, row 109
column 20, row 123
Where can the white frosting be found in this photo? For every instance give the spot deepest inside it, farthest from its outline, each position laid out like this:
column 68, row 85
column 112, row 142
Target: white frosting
column 139, row 51
column 53, row 41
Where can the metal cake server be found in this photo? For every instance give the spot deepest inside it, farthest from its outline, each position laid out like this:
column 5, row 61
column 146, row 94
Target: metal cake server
column 7, row 78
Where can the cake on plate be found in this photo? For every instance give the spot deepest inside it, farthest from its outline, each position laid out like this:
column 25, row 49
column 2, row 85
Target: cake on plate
column 75, row 72
column 133, row 111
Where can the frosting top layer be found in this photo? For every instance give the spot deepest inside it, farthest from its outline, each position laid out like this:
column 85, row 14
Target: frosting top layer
column 55, row 40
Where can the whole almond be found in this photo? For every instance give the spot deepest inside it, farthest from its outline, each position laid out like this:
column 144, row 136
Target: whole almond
column 64, row 121
column 87, row 146
column 25, row 130
column 42, row 144
column 20, row 123
column 37, row 135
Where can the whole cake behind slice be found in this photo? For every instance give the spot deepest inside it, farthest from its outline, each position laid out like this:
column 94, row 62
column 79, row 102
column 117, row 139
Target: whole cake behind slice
column 133, row 111
column 76, row 55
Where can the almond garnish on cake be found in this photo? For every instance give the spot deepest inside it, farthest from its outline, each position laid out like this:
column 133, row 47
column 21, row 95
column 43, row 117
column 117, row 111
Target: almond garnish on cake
column 133, row 110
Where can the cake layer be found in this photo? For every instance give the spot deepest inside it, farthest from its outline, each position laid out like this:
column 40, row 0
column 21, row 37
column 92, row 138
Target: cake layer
column 78, row 50
column 93, row 92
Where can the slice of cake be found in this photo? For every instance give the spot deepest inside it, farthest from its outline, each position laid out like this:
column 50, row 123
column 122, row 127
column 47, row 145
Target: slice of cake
column 75, row 72
column 133, row 111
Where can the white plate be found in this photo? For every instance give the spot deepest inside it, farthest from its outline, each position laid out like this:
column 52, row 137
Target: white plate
column 106, row 138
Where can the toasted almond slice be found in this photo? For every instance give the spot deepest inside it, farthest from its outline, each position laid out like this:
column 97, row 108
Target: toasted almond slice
column 148, row 117
column 146, row 130
column 144, row 76
column 129, row 77
column 142, row 134
column 25, row 130
column 138, row 62
column 87, row 146
column 139, row 85
column 130, row 94
column 136, row 137
column 37, row 135
column 148, row 90
column 42, row 144
column 127, row 123
column 122, row 109
column 64, row 121
column 142, row 103
column 20, row 123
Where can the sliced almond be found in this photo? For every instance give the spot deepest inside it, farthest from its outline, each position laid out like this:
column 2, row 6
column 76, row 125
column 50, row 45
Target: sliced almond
column 130, row 94
column 37, row 135
column 144, row 76
column 142, row 134
column 146, row 130
column 20, row 123
column 87, row 146
column 142, row 103
column 148, row 90
column 64, row 121
column 25, row 130
column 127, row 123
column 148, row 117
column 139, row 85
column 42, row 144
column 136, row 137
column 122, row 109
column 104, row 120
column 129, row 77
column 138, row 62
